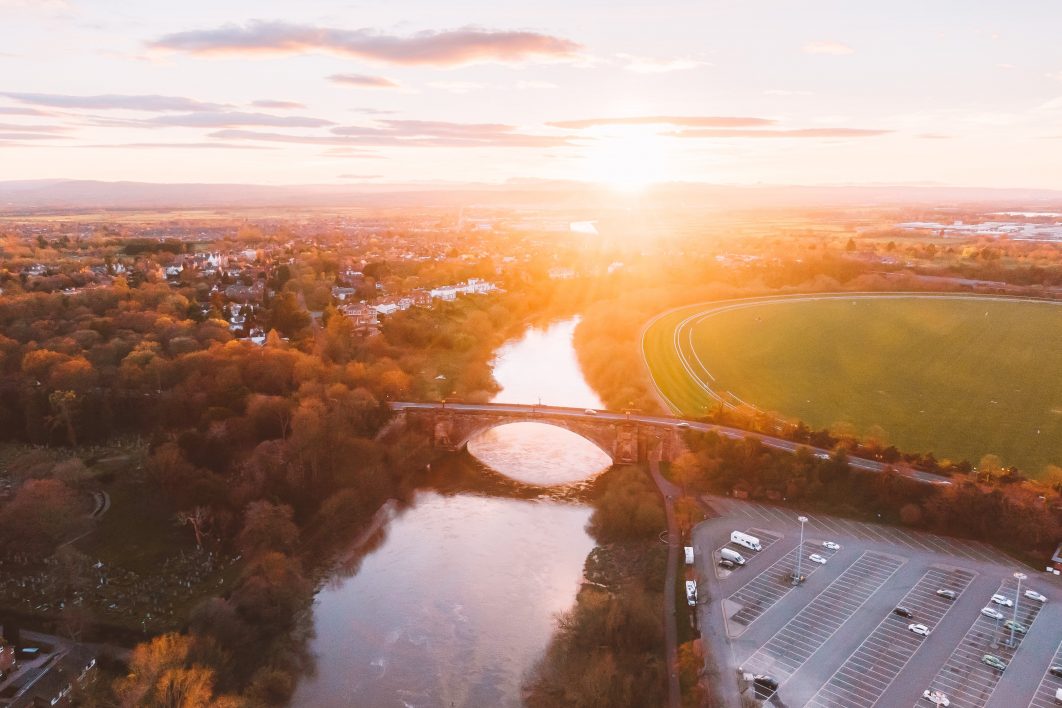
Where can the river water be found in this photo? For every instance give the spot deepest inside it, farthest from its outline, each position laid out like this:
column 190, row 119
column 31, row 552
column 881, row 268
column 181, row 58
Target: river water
column 460, row 598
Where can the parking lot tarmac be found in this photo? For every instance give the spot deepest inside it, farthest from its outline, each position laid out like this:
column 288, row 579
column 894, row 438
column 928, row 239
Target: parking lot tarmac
column 834, row 640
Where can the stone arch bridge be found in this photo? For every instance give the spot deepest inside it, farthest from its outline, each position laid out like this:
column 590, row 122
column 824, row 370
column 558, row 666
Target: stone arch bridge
column 623, row 438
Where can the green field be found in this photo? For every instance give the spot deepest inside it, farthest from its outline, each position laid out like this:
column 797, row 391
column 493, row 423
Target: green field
column 959, row 376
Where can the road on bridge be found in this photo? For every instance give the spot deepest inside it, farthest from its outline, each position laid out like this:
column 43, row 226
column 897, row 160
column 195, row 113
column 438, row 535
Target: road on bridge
column 532, row 411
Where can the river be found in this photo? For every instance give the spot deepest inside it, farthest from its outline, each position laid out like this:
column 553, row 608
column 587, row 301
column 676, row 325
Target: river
column 460, row 598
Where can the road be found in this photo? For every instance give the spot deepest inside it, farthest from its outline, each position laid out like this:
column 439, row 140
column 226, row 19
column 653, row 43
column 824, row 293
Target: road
column 532, row 411
column 669, row 491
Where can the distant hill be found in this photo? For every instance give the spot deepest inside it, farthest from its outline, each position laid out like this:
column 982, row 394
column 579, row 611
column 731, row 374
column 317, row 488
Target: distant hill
column 59, row 194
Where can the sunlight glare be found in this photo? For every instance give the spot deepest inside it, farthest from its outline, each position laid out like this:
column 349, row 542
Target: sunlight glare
column 626, row 158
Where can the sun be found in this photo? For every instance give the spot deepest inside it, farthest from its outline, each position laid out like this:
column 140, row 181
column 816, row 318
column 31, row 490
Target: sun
column 626, row 158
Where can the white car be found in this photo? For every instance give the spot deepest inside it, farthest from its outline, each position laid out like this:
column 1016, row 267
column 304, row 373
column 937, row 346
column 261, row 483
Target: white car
column 816, row 558
column 590, row 411
column 682, row 425
column 919, row 629
column 938, row 697
column 1005, row 601
column 831, row 545
column 950, row 594
column 1033, row 595
column 994, row 614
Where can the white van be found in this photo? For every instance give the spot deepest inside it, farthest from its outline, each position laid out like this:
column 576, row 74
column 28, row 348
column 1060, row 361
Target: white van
column 689, row 555
column 743, row 539
column 732, row 556
column 691, row 593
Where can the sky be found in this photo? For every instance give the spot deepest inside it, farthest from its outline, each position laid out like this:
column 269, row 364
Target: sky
column 624, row 93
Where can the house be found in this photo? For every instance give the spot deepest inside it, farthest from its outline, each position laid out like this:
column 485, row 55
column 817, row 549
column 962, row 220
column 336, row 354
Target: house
column 386, row 308
column 1056, row 560
column 343, row 293
column 48, row 680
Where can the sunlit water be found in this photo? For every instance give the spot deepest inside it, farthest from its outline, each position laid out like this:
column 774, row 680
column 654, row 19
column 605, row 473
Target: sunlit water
column 460, row 599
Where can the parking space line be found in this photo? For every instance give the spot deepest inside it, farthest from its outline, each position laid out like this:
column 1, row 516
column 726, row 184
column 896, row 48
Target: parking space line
column 1049, row 685
column 804, row 634
column 874, row 665
column 965, row 678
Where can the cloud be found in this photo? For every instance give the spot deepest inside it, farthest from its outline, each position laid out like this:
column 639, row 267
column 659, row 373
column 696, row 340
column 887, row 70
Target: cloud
column 279, row 105
column 17, row 111
column 177, row 146
column 535, row 85
column 360, row 176
column 649, row 65
column 793, row 133
column 836, row 48
column 227, row 119
column 456, row 86
column 467, row 45
column 113, row 102
column 402, row 133
column 34, row 128
column 29, row 136
column 235, row 134
column 933, row 136
column 784, row 92
column 684, row 121
column 210, row 119
column 46, row 6
column 363, row 81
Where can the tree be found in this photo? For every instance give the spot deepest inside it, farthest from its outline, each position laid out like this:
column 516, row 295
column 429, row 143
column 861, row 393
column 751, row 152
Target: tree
column 267, row 527
column 43, row 512
column 199, row 518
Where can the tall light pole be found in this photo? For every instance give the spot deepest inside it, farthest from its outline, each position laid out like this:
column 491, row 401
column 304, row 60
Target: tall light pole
column 800, row 549
column 1017, row 598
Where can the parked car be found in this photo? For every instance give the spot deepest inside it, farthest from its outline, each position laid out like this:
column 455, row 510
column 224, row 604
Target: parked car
column 766, row 681
column 816, row 558
column 727, row 563
column 919, row 629
column 994, row 661
column 950, row 594
column 1002, row 600
column 831, row 545
column 994, row 614
column 903, row 612
column 938, row 697
column 1033, row 595
column 1056, row 671
column 1016, row 626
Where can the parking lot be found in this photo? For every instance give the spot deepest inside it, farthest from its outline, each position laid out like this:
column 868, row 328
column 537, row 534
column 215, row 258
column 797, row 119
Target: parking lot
column 803, row 635
column 835, row 641
column 965, row 678
column 1045, row 693
column 772, row 584
column 881, row 657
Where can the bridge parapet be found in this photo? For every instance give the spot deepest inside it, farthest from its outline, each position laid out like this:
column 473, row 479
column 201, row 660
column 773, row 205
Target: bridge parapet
column 451, row 428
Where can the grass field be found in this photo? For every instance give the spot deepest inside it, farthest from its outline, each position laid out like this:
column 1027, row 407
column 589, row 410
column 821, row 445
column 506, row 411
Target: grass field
column 961, row 377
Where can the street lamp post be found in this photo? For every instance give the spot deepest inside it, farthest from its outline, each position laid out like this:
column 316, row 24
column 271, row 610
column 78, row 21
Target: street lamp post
column 1017, row 598
column 800, row 550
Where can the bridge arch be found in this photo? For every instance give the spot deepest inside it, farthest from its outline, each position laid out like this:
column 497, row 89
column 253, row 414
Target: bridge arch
column 604, row 443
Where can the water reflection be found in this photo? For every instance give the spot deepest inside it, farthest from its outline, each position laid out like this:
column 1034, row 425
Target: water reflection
column 541, row 367
column 451, row 600
column 453, row 608
column 535, row 453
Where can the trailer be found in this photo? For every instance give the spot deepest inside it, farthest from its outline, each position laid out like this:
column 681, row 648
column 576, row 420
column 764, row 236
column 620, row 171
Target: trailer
column 743, row 539
column 689, row 555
